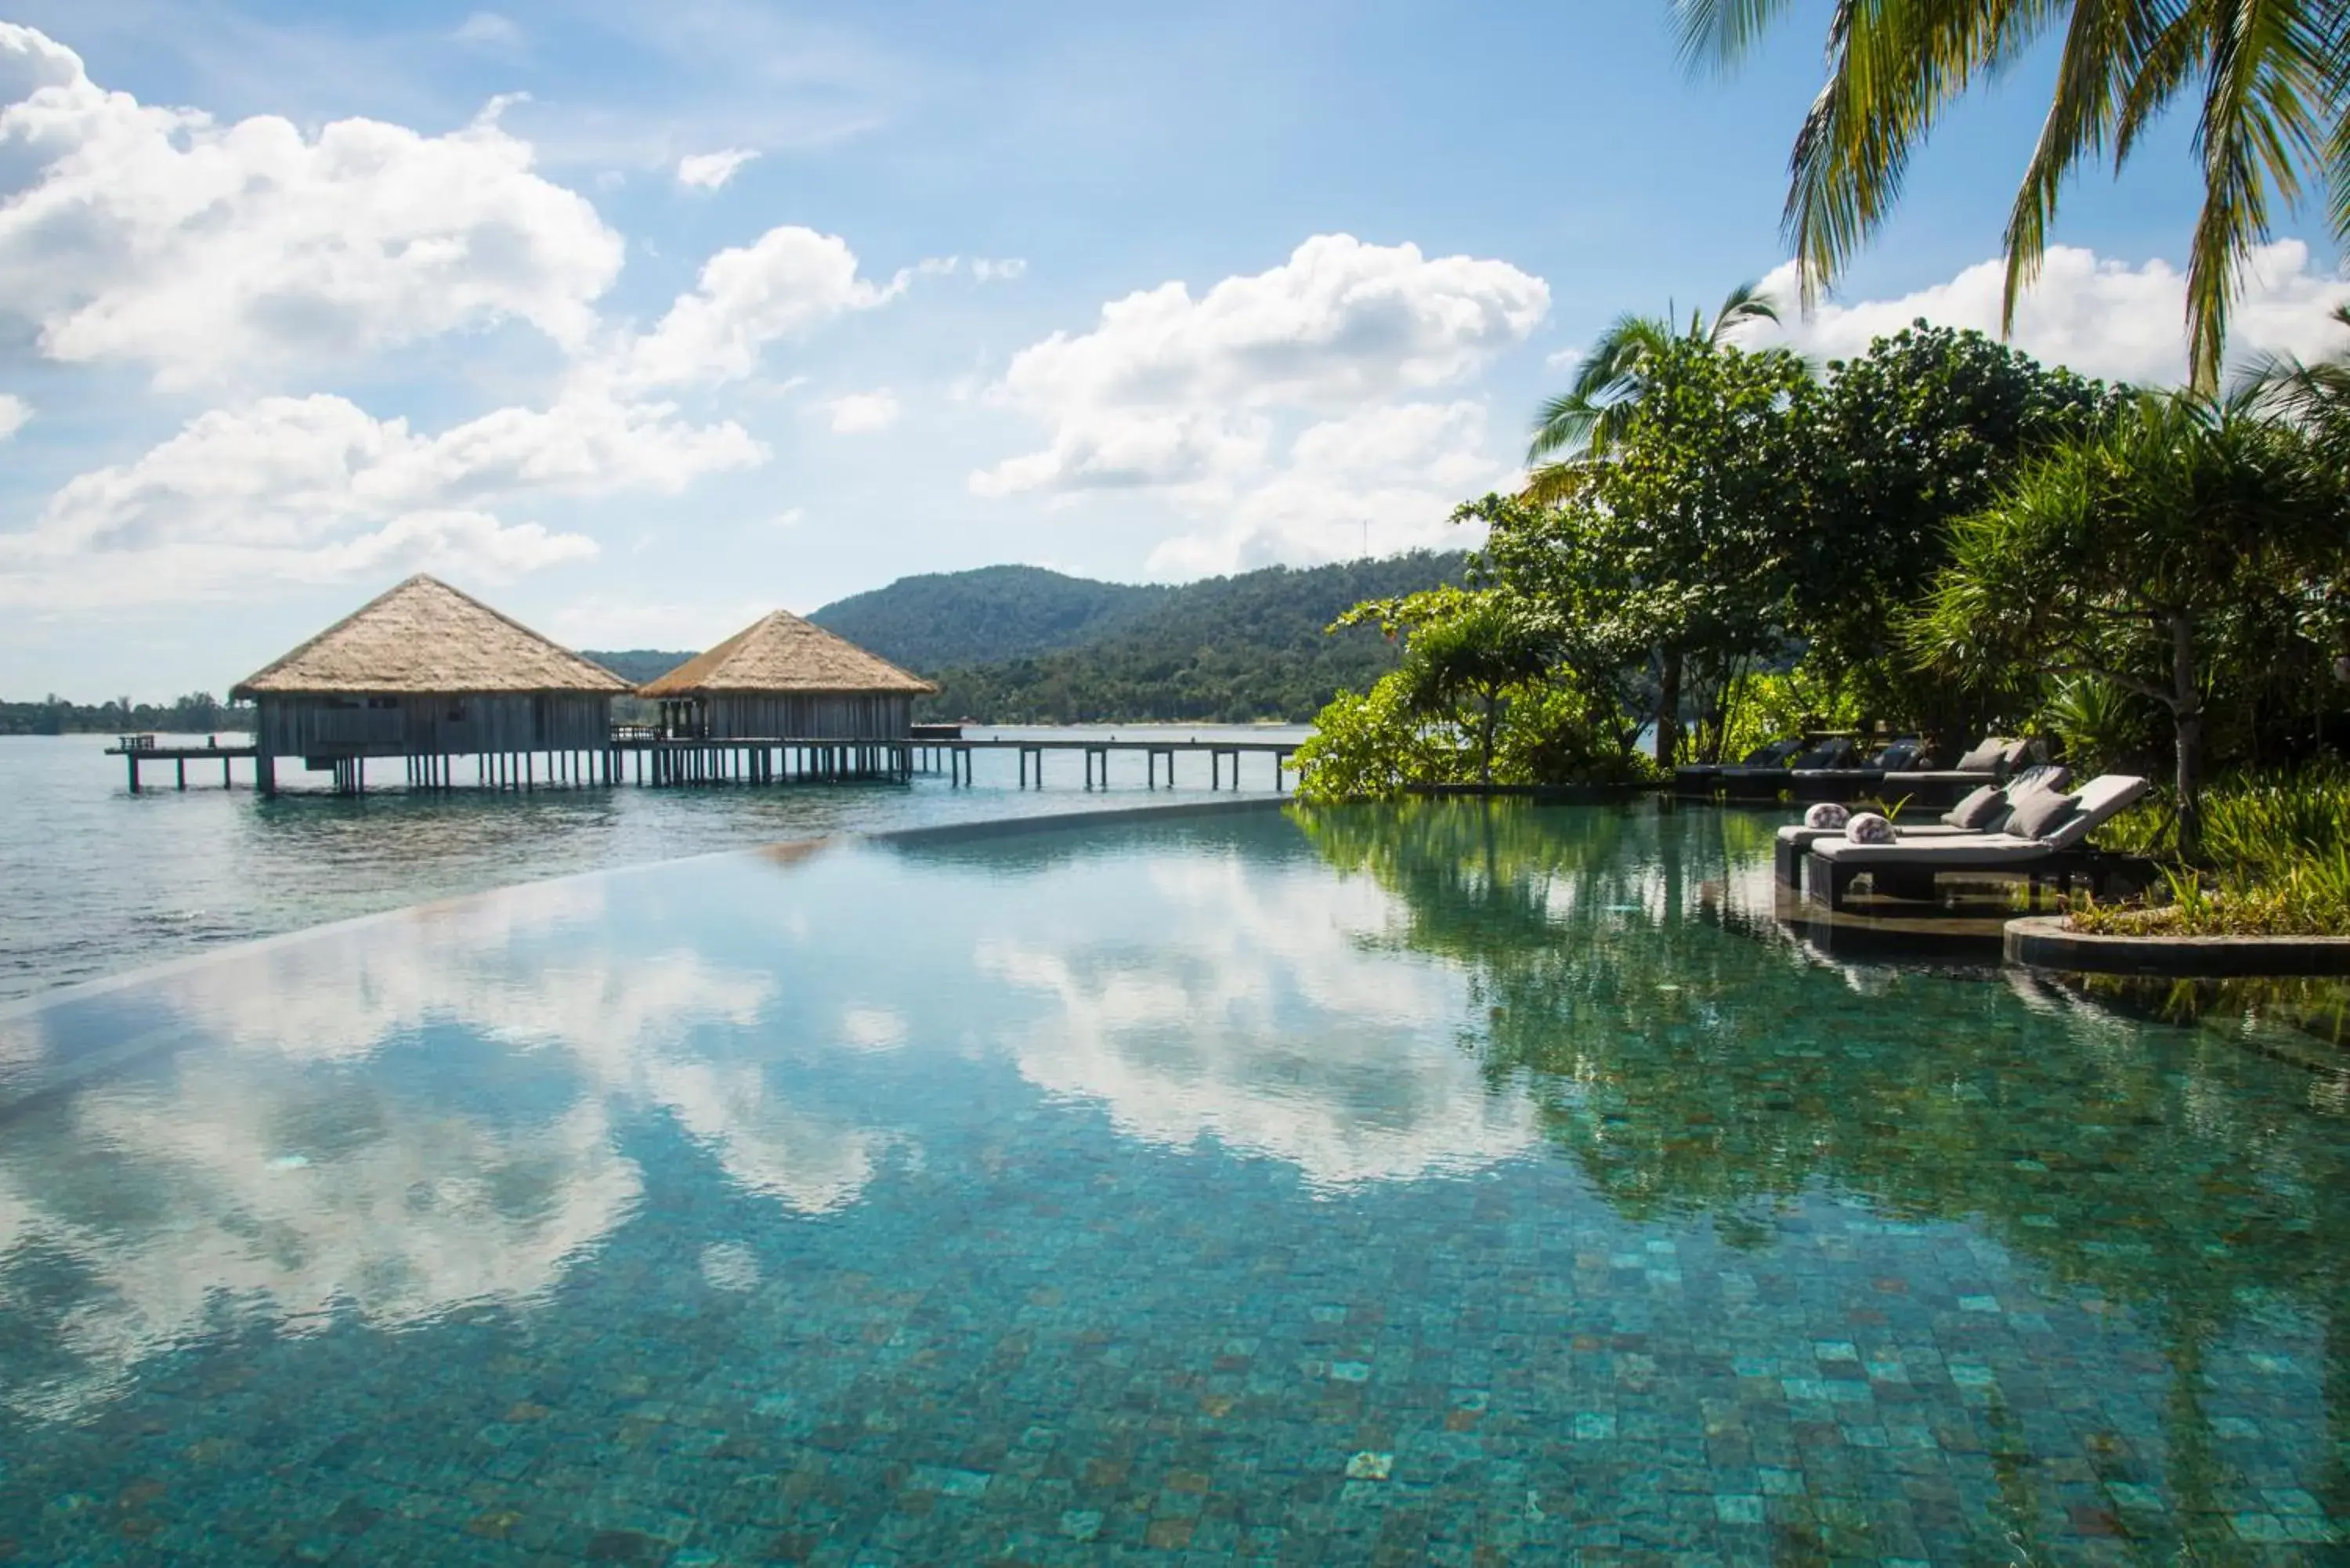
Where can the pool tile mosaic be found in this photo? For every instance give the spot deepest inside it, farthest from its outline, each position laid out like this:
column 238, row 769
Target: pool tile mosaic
column 1437, row 1186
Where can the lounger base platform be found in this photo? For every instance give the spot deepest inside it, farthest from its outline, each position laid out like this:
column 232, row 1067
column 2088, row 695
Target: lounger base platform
column 1794, row 844
column 1828, row 882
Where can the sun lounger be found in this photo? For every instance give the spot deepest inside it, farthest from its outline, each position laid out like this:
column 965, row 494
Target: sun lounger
column 1796, row 839
column 1705, row 778
column 1844, row 781
column 1767, row 783
column 1989, row 764
column 2058, row 850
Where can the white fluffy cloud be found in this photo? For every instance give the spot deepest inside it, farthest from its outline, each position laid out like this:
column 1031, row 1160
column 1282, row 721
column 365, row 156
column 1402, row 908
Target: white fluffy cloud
column 2098, row 316
column 749, row 296
column 1378, row 481
column 709, row 170
column 255, row 253
column 313, row 489
column 154, row 235
column 1168, row 387
column 860, row 413
column 1283, row 401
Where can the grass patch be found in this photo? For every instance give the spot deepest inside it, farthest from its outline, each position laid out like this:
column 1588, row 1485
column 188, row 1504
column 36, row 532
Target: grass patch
column 2279, row 848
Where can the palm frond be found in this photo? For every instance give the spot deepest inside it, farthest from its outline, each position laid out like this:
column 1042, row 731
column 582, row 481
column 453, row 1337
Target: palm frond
column 1720, row 33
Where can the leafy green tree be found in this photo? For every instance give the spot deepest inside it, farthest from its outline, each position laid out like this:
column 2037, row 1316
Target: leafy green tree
column 1919, row 431
column 2270, row 82
column 1587, row 421
column 2143, row 555
column 1696, row 508
column 1463, row 651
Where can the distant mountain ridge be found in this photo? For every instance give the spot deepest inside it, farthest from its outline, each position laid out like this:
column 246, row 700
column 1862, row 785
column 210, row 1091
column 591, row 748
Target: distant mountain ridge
column 1025, row 645
column 985, row 616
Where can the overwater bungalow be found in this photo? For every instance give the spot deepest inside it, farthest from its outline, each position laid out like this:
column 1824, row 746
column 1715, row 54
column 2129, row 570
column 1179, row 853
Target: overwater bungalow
column 784, row 678
column 429, row 674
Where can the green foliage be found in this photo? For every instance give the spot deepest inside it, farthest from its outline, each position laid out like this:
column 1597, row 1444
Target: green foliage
column 2279, row 845
column 1766, row 706
column 1483, row 695
column 1923, row 428
column 2270, row 84
column 1369, row 746
column 1240, row 648
column 2170, row 553
column 951, row 620
column 2102, row 727
column 197, row 713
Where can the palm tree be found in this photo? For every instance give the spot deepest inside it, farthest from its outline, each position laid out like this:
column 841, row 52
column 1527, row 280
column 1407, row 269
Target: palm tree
column 2270, row 81
column 1587, row 422
column 1588, row 419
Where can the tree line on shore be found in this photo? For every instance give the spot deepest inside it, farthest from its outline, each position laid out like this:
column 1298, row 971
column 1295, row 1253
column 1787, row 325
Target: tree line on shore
column 197, row 713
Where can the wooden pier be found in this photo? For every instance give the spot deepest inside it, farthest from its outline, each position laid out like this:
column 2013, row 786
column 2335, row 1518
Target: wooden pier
column 954, row 758
column 638, row 754
column 138, row 750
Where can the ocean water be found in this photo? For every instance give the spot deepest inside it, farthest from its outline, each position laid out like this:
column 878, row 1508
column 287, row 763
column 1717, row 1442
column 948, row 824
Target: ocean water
column 1457, row 1183
column 99, row 881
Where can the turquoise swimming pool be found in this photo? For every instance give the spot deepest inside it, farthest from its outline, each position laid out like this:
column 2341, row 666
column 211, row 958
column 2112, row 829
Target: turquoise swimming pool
column 1452, row 1184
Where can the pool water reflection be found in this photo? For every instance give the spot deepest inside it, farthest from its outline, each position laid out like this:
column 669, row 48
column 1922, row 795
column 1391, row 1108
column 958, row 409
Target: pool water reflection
column 1304, row 1188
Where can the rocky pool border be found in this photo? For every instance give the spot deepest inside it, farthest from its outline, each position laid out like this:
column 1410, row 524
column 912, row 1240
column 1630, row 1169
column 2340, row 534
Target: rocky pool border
column 2043, row 941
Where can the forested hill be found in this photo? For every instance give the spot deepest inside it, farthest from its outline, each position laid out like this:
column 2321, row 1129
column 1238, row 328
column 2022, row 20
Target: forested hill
column 1234, row 648
column 983, row 617
column 1013, row 644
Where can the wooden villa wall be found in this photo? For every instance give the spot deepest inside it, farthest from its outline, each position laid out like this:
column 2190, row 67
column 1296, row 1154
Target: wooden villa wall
column 316, row 725
column 814, row 717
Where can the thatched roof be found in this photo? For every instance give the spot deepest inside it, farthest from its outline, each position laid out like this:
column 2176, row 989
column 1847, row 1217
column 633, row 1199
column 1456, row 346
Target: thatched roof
column 781, row 652
column 426, row 637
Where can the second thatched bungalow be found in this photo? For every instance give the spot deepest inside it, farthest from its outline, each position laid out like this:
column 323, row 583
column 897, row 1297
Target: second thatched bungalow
column 429, row 674
column 786, row 680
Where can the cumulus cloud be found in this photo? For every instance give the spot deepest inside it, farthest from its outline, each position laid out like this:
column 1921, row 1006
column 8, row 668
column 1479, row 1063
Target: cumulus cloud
column 1376, row 482
column 2098, row 316
column 313, row 489
column 1164, row 388
column 13, row 411
column 206, row 251
column 1282, row 402
column 860, row 413
column 709, row 170
column 1003, row 269
column 747, row 297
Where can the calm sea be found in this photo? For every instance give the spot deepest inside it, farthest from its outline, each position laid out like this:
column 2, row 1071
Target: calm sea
column 94, row 879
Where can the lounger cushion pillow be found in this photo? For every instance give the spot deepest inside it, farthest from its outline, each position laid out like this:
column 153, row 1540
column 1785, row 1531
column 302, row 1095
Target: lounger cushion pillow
column 1868, row 828
column 1826, row 814
column 1983, row 758
column 2042, row 813
column 1977, row 810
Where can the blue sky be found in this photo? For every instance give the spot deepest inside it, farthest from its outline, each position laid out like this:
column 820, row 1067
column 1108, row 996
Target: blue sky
column 638, row 320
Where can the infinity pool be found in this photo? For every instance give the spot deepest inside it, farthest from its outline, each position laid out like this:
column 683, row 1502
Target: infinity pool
column 1453, row 1184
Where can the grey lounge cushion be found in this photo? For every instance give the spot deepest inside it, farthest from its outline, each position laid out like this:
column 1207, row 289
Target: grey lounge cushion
column 2041, row 775
column 1984, row 758
column 2101, row 800
column 1956, row 851
column 1979, row 810
column 2040, row 813
column 1901, row 754
column 1803, row 838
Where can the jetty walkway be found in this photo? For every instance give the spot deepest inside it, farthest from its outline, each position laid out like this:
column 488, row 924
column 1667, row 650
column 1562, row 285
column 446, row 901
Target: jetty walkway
column 638, row 754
